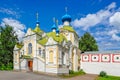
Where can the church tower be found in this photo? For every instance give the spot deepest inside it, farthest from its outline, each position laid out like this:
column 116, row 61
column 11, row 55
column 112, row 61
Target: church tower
column 68, row 31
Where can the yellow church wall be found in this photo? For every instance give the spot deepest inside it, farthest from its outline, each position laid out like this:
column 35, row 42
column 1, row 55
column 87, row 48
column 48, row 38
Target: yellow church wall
column 72, row 37
column 16, row 58
column 33, row 44
column 53, row 55
column 54, row 66
column 57, row 55
column 40, row 46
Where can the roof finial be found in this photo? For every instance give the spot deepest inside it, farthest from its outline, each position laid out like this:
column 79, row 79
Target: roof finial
column 37, row 16
column 54, row 19
column 66, row 9
column 56, row 22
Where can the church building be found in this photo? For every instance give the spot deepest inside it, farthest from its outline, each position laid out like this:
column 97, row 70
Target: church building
column 53, row 52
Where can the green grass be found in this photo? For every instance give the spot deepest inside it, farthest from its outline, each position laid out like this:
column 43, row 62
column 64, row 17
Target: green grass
column 108, row 78
column 73, row 74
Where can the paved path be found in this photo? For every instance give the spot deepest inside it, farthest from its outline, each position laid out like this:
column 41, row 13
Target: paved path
column 11, row 75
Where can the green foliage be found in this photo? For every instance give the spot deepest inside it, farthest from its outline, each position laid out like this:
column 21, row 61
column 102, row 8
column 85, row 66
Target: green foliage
column 73, row 74
column 7, row 67
column 7, row 43
column 103, row 74
column 88, row 43
column 108, row 78
column 71, row 71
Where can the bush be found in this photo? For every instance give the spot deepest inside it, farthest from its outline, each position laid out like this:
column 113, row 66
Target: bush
column 103, row 74
column 6, row 67
column 71, row 71
column 81, row 71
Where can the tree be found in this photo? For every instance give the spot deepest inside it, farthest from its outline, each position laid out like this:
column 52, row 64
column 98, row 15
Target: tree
column 88, row 43
column 8, row 39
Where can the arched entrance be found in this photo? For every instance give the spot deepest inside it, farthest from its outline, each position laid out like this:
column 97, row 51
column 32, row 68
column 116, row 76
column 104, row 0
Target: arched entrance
column 30, row 65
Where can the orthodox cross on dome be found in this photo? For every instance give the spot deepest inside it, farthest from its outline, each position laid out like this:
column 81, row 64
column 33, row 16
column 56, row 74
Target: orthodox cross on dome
column 56, row 22
column 66, row 9
column 54, row 19
column 37, row 22
column 37, row 16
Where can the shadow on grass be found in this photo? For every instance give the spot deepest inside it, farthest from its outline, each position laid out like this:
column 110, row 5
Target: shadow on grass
column 73, row 74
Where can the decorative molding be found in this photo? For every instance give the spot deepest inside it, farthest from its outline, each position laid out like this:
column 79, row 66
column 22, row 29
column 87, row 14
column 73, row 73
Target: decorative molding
column 95, row 58
column 114, row 58
column 105, row 57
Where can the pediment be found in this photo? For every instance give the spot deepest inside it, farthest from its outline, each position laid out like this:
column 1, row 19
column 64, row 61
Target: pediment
column 29, row 32
column 51, row 41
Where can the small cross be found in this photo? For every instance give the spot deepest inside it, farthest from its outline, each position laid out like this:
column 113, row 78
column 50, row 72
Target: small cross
column 54, row 19
column 56, row 22
column 66, row 9
column 37, row 16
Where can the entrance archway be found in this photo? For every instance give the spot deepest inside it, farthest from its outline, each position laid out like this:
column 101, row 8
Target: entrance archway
column 30, row 65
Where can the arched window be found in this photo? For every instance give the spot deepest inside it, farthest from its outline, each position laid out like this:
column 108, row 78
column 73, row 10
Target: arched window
column 29, row 48
column 63, row 57
column 43, row 53
column 51, row 56
column 39, row 51
column 15, row 58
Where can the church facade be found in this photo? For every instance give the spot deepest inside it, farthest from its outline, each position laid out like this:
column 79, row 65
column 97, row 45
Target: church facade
column 53, row 52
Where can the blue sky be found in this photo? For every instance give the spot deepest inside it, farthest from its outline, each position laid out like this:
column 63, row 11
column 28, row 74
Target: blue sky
column 99, row 17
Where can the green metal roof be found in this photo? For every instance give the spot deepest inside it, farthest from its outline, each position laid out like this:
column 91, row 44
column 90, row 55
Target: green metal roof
column 19, row 45
column 43, row 41
column 37, row 29
column 58, row 38
column 69, row 28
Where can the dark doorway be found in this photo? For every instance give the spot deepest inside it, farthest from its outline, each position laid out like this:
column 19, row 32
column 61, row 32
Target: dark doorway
column 30, row 65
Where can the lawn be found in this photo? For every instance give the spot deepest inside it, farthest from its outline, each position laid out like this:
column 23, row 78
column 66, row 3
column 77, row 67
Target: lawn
column 108, row 78
column 73, row 74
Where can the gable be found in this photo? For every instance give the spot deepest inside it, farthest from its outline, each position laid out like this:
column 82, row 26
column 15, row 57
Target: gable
column 51, row 41
column 29, row 32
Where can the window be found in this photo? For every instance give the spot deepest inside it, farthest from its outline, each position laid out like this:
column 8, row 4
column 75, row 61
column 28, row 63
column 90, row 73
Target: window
column 94, row 57
column 23, row 52
column 105, row 57
column 29, row 48
column 15, row 58
column 43, row 53
column 85, row 57
column 117, row 57
column 51, row 56
column 40, row 51
column 63, row 57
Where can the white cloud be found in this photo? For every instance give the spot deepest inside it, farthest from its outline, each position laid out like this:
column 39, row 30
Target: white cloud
column 9, row 12
column 93, row 19
column 17, row 26
column 111, row 6
column 115, row 37
column 115, row 19
column 106, row 24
